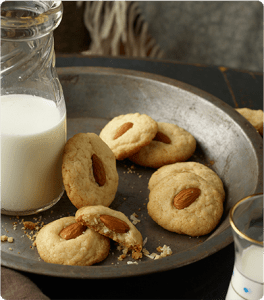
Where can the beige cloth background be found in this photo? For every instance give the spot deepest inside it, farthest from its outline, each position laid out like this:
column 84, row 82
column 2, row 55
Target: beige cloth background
column 15, row 286
column 225, row 33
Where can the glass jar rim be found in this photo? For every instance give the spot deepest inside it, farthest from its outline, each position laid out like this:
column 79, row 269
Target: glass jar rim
column 33, row 26
column 231, row 214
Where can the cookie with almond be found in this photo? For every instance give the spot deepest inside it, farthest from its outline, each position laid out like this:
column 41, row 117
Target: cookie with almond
column 193, row 167
column 127, row 134
column 113, row 224
column 185, row 203
column 170, row 145
column 66, row 242
column 89, row 171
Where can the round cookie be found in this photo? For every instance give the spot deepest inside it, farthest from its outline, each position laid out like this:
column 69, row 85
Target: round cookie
column 87, row 249
column 113, row 224
column 193, row 167
column 255, row 117
column 191, row 218
column 89, row 171
column 171, row 144
column 126, row 134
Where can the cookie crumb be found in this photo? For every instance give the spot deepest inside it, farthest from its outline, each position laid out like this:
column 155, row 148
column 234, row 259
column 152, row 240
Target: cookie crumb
column 136, row 254
column 159, row 249
column 4, row 238
column 134, row 219
column 165, row 251
column 121, row 257
column 29, row 225
column 10, row 239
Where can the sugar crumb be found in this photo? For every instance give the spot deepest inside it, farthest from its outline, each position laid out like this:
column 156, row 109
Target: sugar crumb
column 134, row 219
column 164, row 251
column 132, row 262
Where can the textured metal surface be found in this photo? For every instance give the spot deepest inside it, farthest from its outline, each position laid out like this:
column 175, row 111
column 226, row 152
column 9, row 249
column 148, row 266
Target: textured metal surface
column 225, row 141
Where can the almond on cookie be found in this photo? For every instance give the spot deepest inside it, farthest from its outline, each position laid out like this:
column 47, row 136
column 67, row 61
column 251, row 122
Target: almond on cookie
column 113, row 224
column 185, row 203
column 66, row 242
column 89, row 171
column 192, row 167
column 127, row 134
column 171, row 144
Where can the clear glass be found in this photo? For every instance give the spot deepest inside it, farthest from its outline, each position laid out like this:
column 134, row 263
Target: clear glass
column 246, row 219
column 33, row 110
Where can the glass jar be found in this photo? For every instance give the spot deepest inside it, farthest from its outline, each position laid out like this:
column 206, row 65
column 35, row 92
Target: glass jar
column 33, row 111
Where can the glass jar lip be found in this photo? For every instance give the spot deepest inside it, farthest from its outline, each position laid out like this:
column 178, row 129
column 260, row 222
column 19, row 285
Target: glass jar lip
column 34, row 26
column 232, row 223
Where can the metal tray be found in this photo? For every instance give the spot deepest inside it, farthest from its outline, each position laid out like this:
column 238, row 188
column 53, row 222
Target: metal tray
column 226, row 142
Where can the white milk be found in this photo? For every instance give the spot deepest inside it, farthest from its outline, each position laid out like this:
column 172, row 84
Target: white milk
column 33, row 135
column 247, row 278
column 251, row 264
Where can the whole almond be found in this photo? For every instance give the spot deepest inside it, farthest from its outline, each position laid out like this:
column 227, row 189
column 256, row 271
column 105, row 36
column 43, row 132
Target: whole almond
column 72, row 231
column 114, row 224
column 98, row 170
column 186, row 197
column 123, row 129
column 161, row 137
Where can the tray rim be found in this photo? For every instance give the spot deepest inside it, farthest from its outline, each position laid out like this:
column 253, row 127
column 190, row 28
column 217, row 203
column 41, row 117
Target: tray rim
column 198, row 252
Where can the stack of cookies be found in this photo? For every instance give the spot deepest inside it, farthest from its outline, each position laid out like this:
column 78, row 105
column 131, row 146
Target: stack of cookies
column 185, row 197
column 146, row 142
column 84, row 240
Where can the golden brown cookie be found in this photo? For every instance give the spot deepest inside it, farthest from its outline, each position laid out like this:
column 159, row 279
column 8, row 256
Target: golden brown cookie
column 255, row 117
column 89, row 171
column 186, row 204
column 66, row 242
column 113, row 224
column 193, row 167
column 171, row 144
column 126, row 134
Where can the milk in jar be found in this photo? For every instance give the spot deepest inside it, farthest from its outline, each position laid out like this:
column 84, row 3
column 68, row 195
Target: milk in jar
column 33, row 135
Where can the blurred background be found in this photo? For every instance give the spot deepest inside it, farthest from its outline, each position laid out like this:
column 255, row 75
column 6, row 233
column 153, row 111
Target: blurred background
column 221, row 33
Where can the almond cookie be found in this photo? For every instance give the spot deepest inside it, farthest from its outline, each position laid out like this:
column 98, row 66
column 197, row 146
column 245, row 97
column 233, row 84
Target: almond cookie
column 89, row 171
column 126, row 134
column 113, row 224
column 186, row 204
column 193, row 167
column 255, row 117
column 171, row 144
column 66, row 242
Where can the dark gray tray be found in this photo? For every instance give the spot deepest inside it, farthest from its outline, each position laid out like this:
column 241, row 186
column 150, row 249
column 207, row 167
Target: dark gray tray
column 226, row 142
